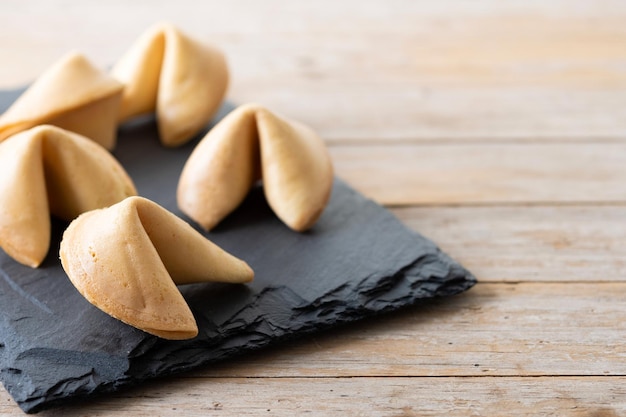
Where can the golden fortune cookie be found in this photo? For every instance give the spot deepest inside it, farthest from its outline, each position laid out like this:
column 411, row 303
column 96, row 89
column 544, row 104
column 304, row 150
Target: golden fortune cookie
column 249, row 144
column 182, row 80
column 73, row 95
column 127, row 259
column 47, row 170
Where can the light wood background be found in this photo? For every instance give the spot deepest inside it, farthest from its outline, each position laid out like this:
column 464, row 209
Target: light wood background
column 496, row 128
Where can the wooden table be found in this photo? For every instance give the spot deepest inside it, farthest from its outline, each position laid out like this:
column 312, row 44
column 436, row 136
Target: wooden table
column 496, row 128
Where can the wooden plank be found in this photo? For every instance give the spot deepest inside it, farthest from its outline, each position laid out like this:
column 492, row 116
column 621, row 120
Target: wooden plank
column 508, row 40
column 485, row 173
column 402, row 112
column 498, row 77
column 536, row 329
column 379, row 70
column 528, row 243
column 493, row 330
column 599, row 397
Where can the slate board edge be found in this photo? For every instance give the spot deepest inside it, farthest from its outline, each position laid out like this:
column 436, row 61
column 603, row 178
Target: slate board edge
column 458, row 286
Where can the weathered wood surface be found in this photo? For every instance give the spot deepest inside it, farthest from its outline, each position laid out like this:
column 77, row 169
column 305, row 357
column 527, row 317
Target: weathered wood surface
column 393, row 69
column 485, row 174
column 387, row 396
column 496, row 128
column 529, row 243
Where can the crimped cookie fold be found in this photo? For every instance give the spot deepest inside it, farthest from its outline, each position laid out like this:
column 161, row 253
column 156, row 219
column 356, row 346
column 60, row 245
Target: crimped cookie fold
column 127, row 259
column 249, row 144
column 179, row 77
column 73, row 95
column 50, row 170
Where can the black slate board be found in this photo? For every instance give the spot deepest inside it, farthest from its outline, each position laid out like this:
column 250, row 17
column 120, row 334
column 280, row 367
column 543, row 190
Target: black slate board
column 357, row 261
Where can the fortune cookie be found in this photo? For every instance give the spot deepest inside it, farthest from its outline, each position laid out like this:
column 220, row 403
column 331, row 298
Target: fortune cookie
column 253, row 143
column 47, row 170
column 181, row 79
column 73, row 95
column 127, row 259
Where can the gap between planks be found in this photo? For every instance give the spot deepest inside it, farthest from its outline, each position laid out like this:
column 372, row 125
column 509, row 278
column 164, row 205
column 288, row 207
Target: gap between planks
column 504, row 204
column 382, row 376
column 510, row 139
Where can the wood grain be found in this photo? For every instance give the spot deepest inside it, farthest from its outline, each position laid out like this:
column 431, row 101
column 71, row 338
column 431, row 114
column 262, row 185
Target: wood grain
column 394, row 396
column 485, row 173
column 379, row 70
column 528, row 243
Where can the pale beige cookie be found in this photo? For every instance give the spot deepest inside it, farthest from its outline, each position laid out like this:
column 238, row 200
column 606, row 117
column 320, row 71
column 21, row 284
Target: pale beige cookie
column 249, row 144
column 73, row 95
column 181, row 79
column 127, row 259
column 47, row 170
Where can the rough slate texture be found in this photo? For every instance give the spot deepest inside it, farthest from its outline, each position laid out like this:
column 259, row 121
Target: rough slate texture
column 357, row 261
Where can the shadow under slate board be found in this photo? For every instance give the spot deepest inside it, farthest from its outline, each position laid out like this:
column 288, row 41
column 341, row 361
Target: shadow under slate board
column 357, row 261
